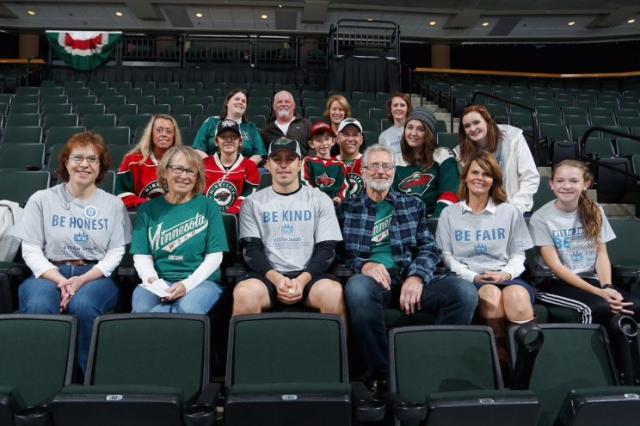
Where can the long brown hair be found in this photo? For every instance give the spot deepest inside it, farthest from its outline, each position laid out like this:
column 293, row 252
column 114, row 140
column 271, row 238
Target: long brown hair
column 424, row 159
column 487, row 163
column 225, row 109
column 588, row 211
column 467, row 147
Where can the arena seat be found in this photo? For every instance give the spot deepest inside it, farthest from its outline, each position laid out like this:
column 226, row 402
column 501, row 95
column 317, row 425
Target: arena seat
column 36, row 356
column 450, row 375
column 575, row 380
column 30, row 108
column 84, row 109
column 57, row 108
column 119, row 135
column 120, row 109
column 60, row 119
column 99, row 120
column 22, row 119
column 61, row 134
column 291, row 368
column 22, row 134
column 144, row 369
column 22, row 156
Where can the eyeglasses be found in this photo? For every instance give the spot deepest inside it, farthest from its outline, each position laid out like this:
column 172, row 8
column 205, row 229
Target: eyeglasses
column 167, row 130
column 178, row 170
column 78, row 159
column 377, row 166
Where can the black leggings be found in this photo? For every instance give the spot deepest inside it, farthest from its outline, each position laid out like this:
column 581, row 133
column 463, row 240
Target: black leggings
column 592, row 308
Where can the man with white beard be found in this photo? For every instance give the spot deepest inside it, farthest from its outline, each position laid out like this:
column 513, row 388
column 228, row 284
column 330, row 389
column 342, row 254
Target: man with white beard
column 394, row 256
column 286, row 123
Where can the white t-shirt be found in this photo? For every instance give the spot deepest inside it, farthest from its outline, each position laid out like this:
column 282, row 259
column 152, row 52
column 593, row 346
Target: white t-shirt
column 289, row 225
column 487, row 241
column 551, row 226
column 391, row 138
column 68, row 228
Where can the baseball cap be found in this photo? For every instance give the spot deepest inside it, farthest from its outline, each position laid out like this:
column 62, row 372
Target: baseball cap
column 231, row 125
column 349, row 122
column 284, row 144
column 321, row 127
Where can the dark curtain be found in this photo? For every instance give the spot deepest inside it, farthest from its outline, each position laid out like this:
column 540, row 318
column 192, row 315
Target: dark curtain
column 352, row 73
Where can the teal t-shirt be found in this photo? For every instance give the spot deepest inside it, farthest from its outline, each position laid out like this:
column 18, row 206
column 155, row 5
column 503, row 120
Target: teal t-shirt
column 179, row 236
column 380, row 239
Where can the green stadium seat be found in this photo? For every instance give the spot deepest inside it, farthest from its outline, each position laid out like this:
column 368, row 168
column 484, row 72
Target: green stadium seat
column 274, row 355
column 95, row 120
column 108, row 182
column 199, row 99
column 134, row 121
column 155, row 109
column 22, row 134
column 188, row 135
column 51, row 91
column 78, row 91
column 191, row 109
column 120, row 135
column 55, row 109
column 84, row 109
column 164, row 381
column 627, row 147
column 18, row 185
column 599, row 147
column 83, row 99
column 61, row 134
column 170, row 99
column 22, row 156
column 37, row 361
column 32, row 108
column 64, row 119
column 447, row 140
column 183, row 120
column 155, row 92
column 26, row 119
column 446, row 374
column 141, row 100
column 117, row 154
column 112, row 99
column 145, row 85
column 25, row 99
column 574, row 378
column 121, row 109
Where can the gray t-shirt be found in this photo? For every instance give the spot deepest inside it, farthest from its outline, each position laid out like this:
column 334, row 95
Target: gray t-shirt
column 391, row 138
column 483, row 241
column 289, row 225
column 67, row 228
column 551, row 226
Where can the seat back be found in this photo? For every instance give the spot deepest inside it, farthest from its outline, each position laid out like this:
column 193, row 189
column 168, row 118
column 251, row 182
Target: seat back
column 152, row 350
column 22, row 156
column 36, row 354
column 427, row 359
column 18, row 185
column 286, row 348
column 573, row 356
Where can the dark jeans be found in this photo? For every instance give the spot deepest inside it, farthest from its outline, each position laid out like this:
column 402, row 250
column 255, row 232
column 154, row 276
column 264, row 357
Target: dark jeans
column 452, row 299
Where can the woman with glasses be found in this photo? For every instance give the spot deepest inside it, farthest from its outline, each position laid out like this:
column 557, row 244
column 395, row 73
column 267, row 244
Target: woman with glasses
column 423, row 169
column 73, row 237
column 136, row 181
column 178, row 240
column 234, row 108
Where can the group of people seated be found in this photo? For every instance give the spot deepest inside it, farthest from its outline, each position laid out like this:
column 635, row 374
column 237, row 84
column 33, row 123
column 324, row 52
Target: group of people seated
column 374, row 208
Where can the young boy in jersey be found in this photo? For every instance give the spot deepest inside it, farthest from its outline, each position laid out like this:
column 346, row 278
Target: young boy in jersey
column 321, row 171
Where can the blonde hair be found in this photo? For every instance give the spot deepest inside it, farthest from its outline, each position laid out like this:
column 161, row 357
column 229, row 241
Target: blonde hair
column 342, row 101
column 588, row 211
column 145, row 144
column 487, row 162
column 194, row 160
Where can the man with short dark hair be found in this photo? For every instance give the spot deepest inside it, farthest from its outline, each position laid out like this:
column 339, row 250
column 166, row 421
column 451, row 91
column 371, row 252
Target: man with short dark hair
column 288, row 234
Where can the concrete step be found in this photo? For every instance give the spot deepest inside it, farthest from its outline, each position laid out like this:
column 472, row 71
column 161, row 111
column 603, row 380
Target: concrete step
column 619, row 210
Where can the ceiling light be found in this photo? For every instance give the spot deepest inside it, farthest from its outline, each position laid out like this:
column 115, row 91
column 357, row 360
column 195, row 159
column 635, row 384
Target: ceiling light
column 571, row 23
column 118, row 13
column 433, row 23
column 631, row 21
column 264, row 16
column 31, row 12
column 280, row 6
column 199, row 15
column 485, row 24
column 370, row 19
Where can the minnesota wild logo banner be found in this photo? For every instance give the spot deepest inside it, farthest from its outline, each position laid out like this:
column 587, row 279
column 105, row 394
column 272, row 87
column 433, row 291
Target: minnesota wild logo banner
column 84, row 50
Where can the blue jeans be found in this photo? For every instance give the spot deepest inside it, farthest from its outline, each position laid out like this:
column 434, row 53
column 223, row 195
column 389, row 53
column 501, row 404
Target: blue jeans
column 199, row 300
column 95, row 298
column 452, row 299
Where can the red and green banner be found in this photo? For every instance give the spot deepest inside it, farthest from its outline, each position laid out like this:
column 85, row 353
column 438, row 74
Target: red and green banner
column 84, row 50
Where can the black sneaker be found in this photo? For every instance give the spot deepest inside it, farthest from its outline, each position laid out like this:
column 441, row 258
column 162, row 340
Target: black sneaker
column 377, row 388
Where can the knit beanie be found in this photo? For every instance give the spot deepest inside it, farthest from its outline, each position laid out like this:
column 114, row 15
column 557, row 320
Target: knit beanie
column 424, row 115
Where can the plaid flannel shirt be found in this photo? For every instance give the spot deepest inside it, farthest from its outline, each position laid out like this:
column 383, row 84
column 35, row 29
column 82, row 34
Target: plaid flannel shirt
column 412, row 245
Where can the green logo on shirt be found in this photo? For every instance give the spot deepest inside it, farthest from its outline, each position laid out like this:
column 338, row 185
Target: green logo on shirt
column 224, row 193
column 416, row 183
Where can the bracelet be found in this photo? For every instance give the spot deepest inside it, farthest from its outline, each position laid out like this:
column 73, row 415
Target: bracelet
column 604, row 286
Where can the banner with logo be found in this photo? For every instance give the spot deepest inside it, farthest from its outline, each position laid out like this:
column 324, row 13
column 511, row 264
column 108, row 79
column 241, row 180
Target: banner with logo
column 84, row 50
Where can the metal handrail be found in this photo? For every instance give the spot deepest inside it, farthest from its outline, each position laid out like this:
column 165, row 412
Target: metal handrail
column 583, row 144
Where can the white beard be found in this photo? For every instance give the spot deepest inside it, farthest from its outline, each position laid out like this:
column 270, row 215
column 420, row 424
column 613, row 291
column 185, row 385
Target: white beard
column 379, row 186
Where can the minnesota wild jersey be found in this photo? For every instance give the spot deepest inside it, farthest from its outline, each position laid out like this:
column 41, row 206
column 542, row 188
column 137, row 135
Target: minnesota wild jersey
column 329, row 176
column 354, row 175
column 228, row 186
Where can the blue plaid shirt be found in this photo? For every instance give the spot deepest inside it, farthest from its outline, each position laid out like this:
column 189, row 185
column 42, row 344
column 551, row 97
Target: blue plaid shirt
column 413, row 248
